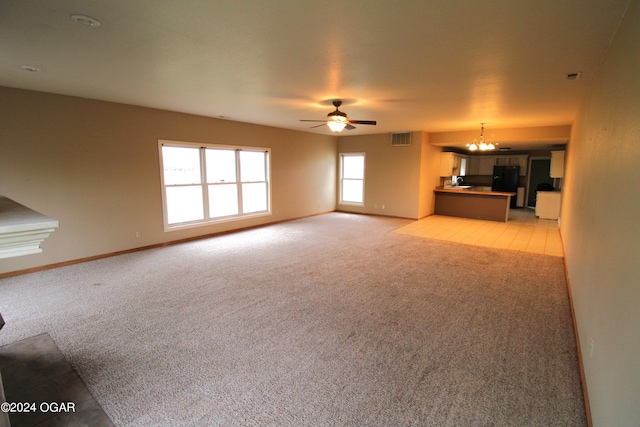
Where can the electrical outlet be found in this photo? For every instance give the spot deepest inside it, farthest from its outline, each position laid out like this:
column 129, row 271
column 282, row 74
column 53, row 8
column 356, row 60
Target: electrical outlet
column 138, row 234
column 382, row 206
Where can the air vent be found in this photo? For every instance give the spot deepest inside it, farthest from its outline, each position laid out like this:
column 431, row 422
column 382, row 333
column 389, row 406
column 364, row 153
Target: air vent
column 399, row 139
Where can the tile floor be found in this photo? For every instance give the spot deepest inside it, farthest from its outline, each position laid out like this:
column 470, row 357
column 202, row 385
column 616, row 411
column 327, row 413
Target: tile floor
column 523, row 232
column 34, row 371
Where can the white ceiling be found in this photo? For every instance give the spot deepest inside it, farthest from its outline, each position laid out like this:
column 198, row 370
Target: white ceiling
column 435, row 66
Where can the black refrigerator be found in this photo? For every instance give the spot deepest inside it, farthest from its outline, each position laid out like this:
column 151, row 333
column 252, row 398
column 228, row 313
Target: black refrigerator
column 505, row 178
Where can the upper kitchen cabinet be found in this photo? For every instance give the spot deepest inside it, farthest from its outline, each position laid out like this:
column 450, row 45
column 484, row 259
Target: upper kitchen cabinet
column 521, row 160
column 481, row 165
column 485, row 165
column 557, row 164
column 453, row 164
column 472, row 166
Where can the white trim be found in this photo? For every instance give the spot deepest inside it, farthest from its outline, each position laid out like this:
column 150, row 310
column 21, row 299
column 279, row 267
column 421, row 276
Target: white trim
column 364, row 166
column 204, row 184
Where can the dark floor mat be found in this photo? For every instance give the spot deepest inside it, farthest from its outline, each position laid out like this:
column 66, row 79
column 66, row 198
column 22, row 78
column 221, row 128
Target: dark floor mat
column 42, row 388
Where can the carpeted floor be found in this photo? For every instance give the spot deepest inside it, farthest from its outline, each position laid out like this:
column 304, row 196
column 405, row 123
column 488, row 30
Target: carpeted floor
column 328, row 320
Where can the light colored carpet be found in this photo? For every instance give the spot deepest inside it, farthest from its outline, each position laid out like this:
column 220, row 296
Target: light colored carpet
column 328, row 320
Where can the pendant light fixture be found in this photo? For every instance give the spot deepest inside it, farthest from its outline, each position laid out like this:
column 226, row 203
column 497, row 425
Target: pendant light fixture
column 481, row 144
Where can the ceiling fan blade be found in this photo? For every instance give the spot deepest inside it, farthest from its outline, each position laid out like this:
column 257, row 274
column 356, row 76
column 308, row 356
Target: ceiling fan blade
column 312, row 127
column 363, row 122
column 349, row 127
column 323, row 121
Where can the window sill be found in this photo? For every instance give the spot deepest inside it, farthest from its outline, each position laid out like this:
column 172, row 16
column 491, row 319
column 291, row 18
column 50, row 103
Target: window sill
column 350, row 204
column 196, row 224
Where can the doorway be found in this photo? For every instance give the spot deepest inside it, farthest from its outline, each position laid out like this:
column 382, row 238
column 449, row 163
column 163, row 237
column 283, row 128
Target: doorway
column 539, row 174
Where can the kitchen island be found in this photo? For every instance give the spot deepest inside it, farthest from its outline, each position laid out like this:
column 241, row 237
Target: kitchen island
column 468, row 203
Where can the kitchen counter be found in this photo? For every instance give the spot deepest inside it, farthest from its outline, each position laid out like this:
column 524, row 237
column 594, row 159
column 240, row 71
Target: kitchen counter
column 468, row 203
column 548, row 204
column 471, row 191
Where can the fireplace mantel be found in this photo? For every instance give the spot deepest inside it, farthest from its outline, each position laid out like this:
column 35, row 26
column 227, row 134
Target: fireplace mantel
column 22, row 230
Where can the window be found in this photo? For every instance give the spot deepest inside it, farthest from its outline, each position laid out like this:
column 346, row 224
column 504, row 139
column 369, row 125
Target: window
column 204, row 184
column 352, row 178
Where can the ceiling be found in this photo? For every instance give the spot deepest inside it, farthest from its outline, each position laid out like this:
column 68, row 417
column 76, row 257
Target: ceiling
column 413, row 65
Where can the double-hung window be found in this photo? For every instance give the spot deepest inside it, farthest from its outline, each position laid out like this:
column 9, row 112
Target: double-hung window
column 352, row 179
column 204, row 184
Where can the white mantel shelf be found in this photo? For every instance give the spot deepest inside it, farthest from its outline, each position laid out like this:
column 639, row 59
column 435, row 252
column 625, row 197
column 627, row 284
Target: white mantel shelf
column 22, row 230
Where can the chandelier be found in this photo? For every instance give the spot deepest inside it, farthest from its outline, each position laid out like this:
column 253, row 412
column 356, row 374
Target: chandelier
column 481, row 144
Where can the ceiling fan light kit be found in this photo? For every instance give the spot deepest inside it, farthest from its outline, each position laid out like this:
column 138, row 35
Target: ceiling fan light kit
column 338, row 121
column 337, row 124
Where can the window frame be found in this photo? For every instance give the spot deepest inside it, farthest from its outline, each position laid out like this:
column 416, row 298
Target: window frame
column 341, row 201
column 204, row 184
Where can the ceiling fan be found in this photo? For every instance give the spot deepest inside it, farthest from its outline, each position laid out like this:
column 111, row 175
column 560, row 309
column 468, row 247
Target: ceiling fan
column 337, row 120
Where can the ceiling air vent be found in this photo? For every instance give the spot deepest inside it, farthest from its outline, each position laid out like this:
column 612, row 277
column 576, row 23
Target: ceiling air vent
column 399, row 139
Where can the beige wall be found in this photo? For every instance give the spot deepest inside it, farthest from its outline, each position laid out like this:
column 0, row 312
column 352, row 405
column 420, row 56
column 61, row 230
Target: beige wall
column 94, row 166
column 394, row 175
column 429, row 176
column 601, row 230
column 511, row 136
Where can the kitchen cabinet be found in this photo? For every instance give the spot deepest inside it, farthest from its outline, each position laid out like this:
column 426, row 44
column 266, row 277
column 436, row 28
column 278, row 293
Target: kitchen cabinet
column 548, row 204
column 491, row 206
column 502, row 161
column 486, row 164
column 557, row 164
column 521, row 160
column 453, row 164
column 483, row 165
column 472, row 166
column 449, row 164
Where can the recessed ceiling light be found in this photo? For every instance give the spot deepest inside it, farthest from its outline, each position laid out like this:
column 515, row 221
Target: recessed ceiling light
column 86, row 20
column 30, row 68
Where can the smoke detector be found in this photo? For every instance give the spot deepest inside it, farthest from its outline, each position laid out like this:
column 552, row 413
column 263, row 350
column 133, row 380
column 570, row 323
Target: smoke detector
column 85, row 20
